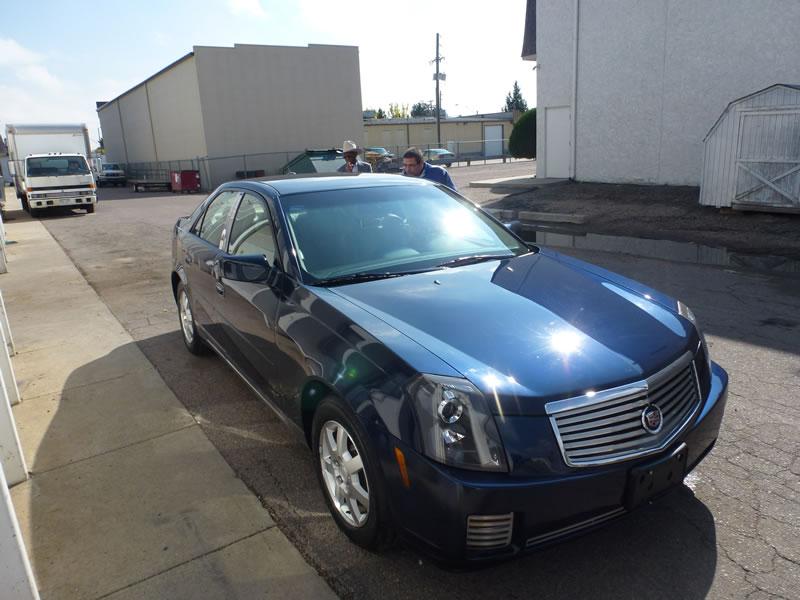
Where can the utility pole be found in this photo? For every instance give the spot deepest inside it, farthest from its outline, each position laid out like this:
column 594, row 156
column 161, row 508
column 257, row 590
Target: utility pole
column 438, row 76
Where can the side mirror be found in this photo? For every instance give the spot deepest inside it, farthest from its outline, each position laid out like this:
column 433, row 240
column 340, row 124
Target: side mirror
column 249, row 268
column 514, row 227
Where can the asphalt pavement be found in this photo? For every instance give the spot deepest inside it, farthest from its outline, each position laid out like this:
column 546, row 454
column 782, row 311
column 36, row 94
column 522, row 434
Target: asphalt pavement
column 730, row 532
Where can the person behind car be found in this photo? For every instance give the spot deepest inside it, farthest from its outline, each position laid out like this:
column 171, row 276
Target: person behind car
column 414, row 165
column 351, row 162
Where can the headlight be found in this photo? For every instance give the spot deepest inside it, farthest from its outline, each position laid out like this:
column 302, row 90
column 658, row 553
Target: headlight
column 687, row 313
column 456, row 426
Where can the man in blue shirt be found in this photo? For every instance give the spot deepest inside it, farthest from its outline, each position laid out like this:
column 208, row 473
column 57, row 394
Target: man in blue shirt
column 416, row 166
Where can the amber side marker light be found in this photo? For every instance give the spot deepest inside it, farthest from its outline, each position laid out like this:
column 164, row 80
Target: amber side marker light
column 401, row 463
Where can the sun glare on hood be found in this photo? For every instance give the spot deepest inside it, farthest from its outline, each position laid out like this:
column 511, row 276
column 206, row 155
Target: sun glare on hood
column 566, row 342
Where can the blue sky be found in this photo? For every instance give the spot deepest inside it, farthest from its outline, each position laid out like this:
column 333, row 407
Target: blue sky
column 59, row 57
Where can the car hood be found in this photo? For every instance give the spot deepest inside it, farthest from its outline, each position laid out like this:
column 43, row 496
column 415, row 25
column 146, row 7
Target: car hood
column 531, row 329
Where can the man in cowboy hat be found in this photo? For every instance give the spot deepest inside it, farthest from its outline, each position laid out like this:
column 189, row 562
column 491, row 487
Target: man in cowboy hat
column 351, row 162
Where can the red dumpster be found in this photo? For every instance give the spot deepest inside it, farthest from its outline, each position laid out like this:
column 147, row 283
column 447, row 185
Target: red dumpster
column 185, row 181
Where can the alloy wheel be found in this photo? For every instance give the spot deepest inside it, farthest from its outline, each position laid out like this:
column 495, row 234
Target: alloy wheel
column 343, row 472
column 187, row 321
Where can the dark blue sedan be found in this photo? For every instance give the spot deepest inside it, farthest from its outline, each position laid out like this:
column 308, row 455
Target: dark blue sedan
column 474, row 394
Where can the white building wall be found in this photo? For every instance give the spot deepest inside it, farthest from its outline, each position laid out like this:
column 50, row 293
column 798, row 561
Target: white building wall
column 262, row 99
column 555, row 24
column 654, row 75
column 136, row 124
column 176, row 112
column 111, row 127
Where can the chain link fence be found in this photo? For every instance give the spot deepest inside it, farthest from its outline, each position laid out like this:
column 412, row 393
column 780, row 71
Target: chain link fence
column 219, row 169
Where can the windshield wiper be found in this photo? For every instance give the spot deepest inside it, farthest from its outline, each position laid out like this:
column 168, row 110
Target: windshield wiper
column 367, row 276
column 473, row 259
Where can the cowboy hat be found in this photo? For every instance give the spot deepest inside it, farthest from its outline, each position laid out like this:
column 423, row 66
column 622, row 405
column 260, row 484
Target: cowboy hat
column 350, row 146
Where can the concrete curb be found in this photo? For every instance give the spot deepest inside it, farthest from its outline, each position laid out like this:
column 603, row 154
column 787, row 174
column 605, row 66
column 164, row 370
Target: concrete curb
column 523, row 182
column 528, row 217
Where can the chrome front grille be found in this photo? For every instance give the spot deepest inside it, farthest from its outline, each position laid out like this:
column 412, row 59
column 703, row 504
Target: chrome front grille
column 607, row 426
column 488, row 532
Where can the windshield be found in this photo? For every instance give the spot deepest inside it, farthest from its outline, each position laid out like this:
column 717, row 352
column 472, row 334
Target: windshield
column 49, row 166
column 111, row 167
column 389, row 229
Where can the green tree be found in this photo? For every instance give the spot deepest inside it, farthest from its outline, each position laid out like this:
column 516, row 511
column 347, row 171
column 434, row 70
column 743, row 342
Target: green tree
column 515, row 101
column 380, row 114
column 398, row 111
column 522, row 142
column 426, row 109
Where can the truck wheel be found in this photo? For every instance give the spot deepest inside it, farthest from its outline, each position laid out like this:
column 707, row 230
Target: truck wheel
column 25, row 204
column 35, row 212
column 89, row 209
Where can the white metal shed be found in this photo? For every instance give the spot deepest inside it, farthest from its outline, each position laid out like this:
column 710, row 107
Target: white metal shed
column 752, row 153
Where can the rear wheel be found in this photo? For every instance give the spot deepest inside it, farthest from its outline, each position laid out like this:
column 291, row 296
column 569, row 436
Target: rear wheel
column 188, row 329
column 348, row 473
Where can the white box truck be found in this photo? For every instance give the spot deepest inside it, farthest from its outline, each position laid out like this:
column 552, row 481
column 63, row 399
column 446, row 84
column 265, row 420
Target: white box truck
column 50, row 168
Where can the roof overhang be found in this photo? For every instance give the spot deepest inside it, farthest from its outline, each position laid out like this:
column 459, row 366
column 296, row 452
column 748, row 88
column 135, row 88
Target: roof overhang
column 529, row 40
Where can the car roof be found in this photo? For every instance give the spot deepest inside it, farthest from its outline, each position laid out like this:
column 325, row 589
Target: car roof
column 293, row 184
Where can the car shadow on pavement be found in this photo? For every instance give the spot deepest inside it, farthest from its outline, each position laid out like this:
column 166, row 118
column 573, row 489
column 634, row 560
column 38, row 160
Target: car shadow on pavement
column 664, row 550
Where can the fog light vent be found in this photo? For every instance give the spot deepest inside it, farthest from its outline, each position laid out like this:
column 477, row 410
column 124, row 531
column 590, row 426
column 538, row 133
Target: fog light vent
column 487, row 532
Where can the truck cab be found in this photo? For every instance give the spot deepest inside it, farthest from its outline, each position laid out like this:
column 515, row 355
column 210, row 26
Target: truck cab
column 57, row 179
column 111, row 174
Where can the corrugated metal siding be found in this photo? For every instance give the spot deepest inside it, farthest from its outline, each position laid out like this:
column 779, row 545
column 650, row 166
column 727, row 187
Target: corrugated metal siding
column 764, row 126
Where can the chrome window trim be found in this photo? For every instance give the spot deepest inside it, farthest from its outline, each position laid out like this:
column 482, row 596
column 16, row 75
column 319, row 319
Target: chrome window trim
column 553, row 409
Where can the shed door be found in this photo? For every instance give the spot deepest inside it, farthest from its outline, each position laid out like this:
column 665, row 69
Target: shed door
column 556, row 141
column 493, row 140
column 768, row 159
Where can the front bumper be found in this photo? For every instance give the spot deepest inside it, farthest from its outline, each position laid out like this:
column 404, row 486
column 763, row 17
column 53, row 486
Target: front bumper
column 81, row 198
column 434, row 512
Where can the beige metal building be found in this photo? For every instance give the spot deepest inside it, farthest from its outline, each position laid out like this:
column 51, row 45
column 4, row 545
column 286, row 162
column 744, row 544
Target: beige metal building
column 222, row 103
column 476, row 136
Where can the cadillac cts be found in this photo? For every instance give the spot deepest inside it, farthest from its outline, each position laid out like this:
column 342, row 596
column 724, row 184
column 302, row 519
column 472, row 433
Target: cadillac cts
column 477, row 395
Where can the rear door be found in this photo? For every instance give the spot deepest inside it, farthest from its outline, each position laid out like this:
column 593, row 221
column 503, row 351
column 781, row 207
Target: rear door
column 249, row 309
column 200, row 256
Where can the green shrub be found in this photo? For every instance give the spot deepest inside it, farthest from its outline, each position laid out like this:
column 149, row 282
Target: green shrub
column 522, row 142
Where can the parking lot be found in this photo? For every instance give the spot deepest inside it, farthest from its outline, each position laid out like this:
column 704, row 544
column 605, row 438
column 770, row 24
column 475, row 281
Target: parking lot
column 731, row 531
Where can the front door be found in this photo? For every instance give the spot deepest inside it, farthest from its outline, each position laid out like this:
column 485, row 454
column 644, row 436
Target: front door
column 202, row 252
column 493, row 141
column 249, row 309
column 557, row 143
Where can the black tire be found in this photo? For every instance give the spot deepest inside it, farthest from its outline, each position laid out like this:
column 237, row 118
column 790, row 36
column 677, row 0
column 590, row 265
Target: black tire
column 448, row 165
column 377, row 532
column 195, row 345
column 35, row 212
column 89, row 209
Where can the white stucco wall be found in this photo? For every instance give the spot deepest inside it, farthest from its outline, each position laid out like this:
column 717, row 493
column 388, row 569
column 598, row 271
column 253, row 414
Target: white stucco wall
column 654, row 75
column 555, row 24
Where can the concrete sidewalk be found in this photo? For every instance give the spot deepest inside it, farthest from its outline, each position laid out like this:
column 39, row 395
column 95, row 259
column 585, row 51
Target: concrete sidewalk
column 127, row 497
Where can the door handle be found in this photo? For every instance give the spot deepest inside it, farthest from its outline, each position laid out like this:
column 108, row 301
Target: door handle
column 216, row 272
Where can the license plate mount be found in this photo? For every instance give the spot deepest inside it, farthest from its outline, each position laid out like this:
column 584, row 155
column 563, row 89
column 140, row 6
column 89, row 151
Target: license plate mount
column 649, row 480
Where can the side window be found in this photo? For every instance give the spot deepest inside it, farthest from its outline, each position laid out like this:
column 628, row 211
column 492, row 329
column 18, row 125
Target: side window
column 252, row 229
column 216, row 214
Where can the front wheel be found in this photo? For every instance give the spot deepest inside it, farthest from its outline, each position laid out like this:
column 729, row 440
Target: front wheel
column 348, row 473
column 188, row 328
column 89, row 209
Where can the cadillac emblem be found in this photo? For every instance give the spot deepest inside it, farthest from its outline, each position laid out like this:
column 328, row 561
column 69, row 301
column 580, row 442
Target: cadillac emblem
column 652, row 419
